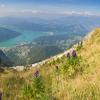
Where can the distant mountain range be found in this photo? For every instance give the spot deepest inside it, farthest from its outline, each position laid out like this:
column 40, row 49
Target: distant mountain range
column 56, row 23
column 63, row 41
column 30, row 53
column 6, row 34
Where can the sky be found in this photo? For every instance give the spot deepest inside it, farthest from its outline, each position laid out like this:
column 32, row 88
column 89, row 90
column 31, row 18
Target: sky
column 49, row 7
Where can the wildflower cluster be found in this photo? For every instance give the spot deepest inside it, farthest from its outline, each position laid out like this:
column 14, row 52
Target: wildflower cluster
column 36, row 74
column 73, row 54
column 38, row 85
column 36, row 90
column 72, row 64
column 68, row 55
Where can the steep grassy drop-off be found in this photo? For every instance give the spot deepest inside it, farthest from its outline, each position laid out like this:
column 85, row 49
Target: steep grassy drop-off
column 75, row 77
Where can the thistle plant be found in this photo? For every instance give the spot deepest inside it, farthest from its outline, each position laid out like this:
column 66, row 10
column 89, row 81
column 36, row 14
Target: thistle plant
column 68, row 55
column 36, row 74
column 36, row 90
column 72, row 65
column 74, row 54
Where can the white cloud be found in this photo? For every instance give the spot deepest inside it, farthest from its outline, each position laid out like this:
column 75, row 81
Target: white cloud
column 31, row 11
column 80, row 13
column 5, row 11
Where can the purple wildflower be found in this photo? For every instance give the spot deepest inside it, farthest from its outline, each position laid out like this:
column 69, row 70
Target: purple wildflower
column 36, row 74
column 68, row 55
column 74, row 53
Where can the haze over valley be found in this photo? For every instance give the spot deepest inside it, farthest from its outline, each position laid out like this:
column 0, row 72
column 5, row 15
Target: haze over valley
column 56, row 34
column 31, row 28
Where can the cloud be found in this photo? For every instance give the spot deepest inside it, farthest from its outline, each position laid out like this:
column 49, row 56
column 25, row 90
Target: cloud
column 80, row 13
column 29, row 11
column 8, row 11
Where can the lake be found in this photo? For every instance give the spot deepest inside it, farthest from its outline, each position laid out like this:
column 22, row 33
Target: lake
column 25, row 37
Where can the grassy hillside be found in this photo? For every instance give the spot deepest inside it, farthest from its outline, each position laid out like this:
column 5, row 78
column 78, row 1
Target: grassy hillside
column 74, row 76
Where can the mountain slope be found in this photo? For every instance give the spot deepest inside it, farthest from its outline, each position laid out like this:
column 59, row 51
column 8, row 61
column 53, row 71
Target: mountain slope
column 6, row 34
column 4, row 60
column 91, row 48
column 63, row 41
column 71, row 77
column 41, row 48
column 29, row 54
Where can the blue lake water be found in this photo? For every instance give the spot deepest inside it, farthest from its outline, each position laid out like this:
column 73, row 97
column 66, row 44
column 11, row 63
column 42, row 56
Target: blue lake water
column 25, row 37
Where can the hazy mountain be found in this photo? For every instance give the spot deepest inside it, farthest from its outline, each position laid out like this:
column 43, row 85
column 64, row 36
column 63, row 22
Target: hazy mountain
column 68, row 23
column 30, row 53
column 63, row 41
column 4, row 60
column 6, row 34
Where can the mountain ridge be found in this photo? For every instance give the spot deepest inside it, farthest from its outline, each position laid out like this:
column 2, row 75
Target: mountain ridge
column 4, row 60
